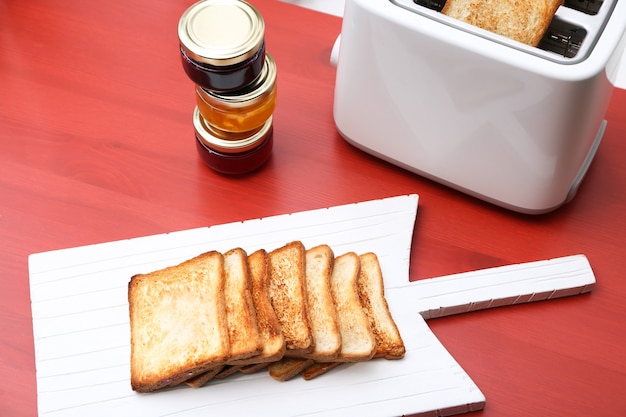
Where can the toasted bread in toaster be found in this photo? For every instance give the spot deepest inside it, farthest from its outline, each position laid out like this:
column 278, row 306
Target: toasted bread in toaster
column 177, row 322
column 241, row 315
column 287, row 288
column 389, row 344
column 358, row 342
column 321, row 305
column 287, row 368
column 523, row 21
column 272, row 340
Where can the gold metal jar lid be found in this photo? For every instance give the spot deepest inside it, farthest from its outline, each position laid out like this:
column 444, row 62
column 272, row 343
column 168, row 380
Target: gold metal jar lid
column 221, row 32
column 236, row 143
column 251, row 95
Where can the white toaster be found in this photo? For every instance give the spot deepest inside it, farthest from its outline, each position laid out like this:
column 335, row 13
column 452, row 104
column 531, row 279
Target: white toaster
column 511, row 124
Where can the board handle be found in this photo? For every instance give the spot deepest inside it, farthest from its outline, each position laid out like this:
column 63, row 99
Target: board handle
column 501, row 286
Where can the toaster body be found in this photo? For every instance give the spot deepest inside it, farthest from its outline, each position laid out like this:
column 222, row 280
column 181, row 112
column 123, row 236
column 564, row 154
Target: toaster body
column 508, row 123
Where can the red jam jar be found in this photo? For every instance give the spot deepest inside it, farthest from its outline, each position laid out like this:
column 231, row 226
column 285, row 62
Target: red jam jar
column 233, row 153
column 242, row 110
column 222, row 44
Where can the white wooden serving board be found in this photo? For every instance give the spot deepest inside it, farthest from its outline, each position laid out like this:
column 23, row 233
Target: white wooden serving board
column 82, row 333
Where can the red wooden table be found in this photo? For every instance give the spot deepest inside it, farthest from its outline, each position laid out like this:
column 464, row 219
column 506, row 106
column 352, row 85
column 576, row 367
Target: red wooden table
column 97, row 145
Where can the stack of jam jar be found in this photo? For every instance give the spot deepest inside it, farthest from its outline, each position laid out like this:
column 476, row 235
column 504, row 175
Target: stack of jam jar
column 222, row 45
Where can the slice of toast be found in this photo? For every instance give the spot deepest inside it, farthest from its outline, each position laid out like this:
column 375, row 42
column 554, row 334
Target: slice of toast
column 177, row 322
column 287, row 368
column 358, row 342
column 389, row 343
column 523, row 21
column 287, row 288
column 321, row 306
column 272, row 340
column 241, row 315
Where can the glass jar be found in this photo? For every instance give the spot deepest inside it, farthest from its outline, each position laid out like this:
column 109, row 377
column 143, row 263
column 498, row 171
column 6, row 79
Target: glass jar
column 242, row 110
column 222, row 44
column 233, row 153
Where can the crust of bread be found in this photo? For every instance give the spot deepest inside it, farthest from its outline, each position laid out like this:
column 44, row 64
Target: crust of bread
column 287, row 289
column 227, row 371
column 203, row 379
column 389, row 344
column 358, row 342
column 272, row 340
column 525, row 21
column 253, row 368
column 321, row 305
column 287, row 368
column 177, row 322
column 241, row 315
column 318, row 369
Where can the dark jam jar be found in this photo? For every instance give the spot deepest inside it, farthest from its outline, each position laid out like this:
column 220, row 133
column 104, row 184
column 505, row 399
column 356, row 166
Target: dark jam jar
column 233, row 153
column 222, row 44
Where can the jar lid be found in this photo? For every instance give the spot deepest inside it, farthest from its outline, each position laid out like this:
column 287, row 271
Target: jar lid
column 250, row 95
column 236, row 142
column 221, row 32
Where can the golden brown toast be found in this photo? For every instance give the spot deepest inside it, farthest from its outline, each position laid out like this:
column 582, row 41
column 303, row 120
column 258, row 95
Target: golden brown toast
column 272, row 340
column 177, row 322
column 241, row 315
column 287, row 288
column 358, row 342
column 389, row 344
column 294, row 311
column 321, row 306
column 525, row 21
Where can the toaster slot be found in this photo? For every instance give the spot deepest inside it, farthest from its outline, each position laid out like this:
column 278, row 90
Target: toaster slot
column 563, row 38
column 571, row 37
column 435, row 5
column 591, row 7
column 586, row 6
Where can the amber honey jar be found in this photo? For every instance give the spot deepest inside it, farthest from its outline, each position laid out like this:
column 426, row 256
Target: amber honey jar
column 222, row 44
column 233, row 153
column 241, row 110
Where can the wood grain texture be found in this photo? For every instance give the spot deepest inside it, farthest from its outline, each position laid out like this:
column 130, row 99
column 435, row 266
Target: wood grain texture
column 97, row 145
